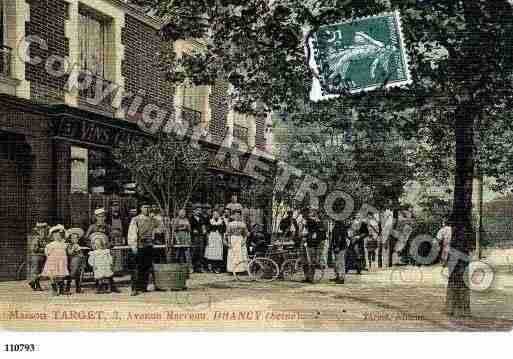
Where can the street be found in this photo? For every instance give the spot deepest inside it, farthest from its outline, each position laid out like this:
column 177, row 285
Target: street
column 399, row 299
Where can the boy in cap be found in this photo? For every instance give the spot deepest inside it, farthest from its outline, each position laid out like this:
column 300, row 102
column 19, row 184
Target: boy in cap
column 37, row 255
column 76, row 258
column 100, row 225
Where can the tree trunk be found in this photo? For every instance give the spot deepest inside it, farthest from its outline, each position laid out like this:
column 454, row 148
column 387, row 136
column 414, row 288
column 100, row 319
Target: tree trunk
column 458, row 293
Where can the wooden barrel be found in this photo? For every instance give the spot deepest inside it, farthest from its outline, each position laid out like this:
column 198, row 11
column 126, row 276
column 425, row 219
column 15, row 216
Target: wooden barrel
column 171, row 276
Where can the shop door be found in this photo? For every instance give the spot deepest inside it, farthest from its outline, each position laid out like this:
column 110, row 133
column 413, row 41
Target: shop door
column 13, row 236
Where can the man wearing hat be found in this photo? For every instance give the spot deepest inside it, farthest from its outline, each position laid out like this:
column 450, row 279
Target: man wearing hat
column 198, row 231
column 37, row 255
column 140, row 240
column 116, row 224
column 100, row 225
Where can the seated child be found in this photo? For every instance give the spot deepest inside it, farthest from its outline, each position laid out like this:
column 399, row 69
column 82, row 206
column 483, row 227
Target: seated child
column 101, row 262
column 56, row 265
column 76, row 259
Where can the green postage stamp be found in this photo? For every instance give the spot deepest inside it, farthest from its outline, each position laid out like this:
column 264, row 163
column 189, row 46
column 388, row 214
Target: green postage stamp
column 359, row 55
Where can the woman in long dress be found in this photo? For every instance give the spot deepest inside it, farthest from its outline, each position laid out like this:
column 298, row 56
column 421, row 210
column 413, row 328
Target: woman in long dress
column 237, row 233
column 214, row 250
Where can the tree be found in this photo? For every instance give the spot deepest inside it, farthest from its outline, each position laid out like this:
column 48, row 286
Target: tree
column 166, row 170
column 461, row 55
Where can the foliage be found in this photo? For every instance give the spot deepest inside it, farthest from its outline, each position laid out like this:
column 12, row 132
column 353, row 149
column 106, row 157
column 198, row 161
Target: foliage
column 166, row 169
column 461, row 57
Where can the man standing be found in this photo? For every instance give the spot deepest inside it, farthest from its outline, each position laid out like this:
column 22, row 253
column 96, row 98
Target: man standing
column 312, row 246
column 159, row 237
column 140, row 241
column 198, row 233
column 289, row 227
column 37, row 256
column 444, row 237
column 116, row 225
column 339, row 243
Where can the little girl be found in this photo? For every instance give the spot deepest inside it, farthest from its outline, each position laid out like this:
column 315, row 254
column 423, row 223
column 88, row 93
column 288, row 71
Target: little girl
column 56, row 266
column 101, row 262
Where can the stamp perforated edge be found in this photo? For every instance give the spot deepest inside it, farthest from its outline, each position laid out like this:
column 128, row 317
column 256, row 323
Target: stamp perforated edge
column 404, row 56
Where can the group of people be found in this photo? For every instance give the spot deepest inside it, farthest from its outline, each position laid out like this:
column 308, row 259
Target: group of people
column 58, row 254
column 211, row 239
column 354, row 242
column 214, row 239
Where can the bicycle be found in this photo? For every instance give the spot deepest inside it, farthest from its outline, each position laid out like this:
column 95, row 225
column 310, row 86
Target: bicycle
column 259, row 269
column 292, row 269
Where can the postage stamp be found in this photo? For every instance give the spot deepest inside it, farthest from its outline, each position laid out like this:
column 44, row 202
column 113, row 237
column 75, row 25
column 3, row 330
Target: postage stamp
column 361, row 55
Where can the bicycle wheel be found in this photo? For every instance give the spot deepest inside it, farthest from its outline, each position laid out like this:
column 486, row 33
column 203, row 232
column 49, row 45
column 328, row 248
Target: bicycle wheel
column 288, row 269
column 241, row 271
column 263, row 269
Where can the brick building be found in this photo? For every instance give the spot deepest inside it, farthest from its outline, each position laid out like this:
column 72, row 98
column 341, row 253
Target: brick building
column 76, row 76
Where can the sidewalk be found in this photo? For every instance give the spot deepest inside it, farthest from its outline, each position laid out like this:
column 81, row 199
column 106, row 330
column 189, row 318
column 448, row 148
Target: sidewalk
column 397, row 299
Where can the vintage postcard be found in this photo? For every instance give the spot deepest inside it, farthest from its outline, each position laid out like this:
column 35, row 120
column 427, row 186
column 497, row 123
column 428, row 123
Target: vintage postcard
column 164, row 168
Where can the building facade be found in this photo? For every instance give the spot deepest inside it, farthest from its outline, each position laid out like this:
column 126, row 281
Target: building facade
column 77, row 78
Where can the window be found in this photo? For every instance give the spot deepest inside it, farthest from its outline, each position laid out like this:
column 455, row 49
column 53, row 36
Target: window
column 91, row 34
column 94, row 171
column 79, row 167
column 193, row 100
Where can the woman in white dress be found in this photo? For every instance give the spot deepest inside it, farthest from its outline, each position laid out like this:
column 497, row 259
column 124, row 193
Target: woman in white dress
column 237, row 234
column 214, row 250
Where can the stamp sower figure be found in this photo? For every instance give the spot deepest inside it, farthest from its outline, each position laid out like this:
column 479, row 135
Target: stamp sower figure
column 182, row 228
column 140, row 240
column 56, row 265
column 339, row 243
column 198, row 233
column 37, row 256
column 100, row 225
column 101, row 261
column 312, row 247
column 76, row 258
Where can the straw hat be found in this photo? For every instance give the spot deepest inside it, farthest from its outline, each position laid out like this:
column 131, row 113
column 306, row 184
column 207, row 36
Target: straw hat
column 57, row 228
column 99, row 211
column 77, row 231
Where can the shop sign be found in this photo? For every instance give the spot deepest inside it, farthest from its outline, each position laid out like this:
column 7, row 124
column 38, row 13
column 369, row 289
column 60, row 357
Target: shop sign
column 88, row 132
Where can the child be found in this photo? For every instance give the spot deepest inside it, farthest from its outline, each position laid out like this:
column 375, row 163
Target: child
column 56, row 266
column 75, row 257
column 37, row 255
column 101, row 261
